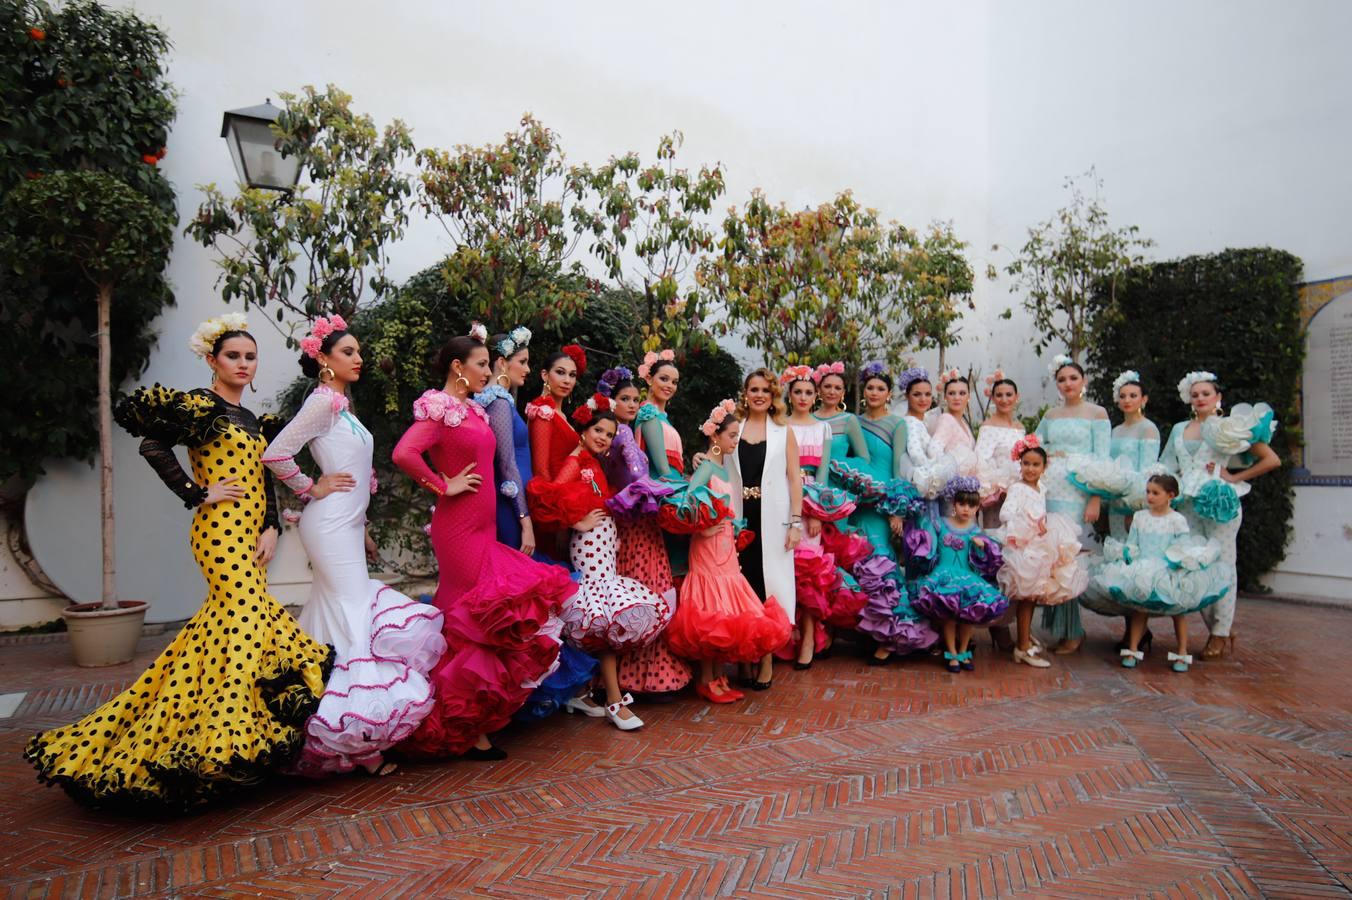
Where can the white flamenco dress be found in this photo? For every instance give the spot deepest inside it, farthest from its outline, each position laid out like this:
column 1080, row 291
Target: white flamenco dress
column 1161, row 569
column 925, row 462
column 1041, row 550
column 385, row 643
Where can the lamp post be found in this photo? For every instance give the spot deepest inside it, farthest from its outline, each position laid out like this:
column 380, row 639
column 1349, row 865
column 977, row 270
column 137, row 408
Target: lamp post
column 254, row 148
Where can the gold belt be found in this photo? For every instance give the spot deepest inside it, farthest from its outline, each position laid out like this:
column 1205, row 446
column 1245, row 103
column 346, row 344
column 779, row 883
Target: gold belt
column 751, row 493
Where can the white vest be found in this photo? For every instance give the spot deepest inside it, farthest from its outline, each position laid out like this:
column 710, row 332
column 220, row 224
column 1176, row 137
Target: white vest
column 777, row 562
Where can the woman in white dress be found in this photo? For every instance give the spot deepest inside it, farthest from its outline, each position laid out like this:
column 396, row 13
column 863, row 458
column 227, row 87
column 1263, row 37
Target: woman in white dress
column 385, row 643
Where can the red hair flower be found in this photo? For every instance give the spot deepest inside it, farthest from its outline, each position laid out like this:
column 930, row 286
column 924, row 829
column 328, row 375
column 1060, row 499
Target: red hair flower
column 578, row 356
column 583, row 415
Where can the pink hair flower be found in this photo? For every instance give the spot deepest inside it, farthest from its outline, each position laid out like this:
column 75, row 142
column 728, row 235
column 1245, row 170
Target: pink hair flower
column 310, row 345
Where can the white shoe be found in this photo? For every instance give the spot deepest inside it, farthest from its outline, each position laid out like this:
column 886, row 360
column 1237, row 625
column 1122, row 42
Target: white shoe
column 1031, row 657
column 613, row 714
column 584, row 705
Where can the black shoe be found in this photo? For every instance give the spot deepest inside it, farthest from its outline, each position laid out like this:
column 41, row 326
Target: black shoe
column 801, row 666
column 492, row 754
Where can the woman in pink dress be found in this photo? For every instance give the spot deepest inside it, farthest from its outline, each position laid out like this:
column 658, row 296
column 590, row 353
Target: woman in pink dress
column 952, row 435
column 499, row 606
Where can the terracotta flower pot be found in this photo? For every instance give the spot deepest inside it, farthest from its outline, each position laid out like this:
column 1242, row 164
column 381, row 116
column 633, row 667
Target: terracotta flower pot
column 104, row 637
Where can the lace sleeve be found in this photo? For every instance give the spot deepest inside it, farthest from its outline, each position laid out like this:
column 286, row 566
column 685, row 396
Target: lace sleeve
column 1101, row 438
column 1148, row 450
column 160, row 454
column 655, row 446
column 541, row 436
column 902, row 464
column 504, row 455
column 855, row 435
column 314, row 419
column 1169, row 458
column 271, row 510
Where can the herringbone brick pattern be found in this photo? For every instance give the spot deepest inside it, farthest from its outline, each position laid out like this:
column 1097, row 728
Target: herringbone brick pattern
column 1234, row 780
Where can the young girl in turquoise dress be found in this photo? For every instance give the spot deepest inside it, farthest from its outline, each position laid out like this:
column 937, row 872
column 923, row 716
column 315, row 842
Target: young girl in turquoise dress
column 1077, row 438
column 960, row 563
column 719, row 618
column 1161, row 570
column 1135, row 447
column 1205, row 454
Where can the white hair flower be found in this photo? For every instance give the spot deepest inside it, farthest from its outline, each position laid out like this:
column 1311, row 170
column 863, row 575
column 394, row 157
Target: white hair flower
column 1126, row 378
column 1059, row 361
column 204, row 338
column 1188, row 380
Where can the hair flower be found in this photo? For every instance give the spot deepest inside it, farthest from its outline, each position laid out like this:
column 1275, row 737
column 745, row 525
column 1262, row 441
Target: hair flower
column 1059, row 362
column 577, row 355
column 651, row 358
column 911, row 376
column 871, row 370
column 831, row 368
column 798, row 373
column 584, row 414
column 610, row 378
column 1024, row 444
column 516, row 339
column 320, row 329
column 479, row 332
column 1185, row 385
column 961, row 484
column 717, row 416
column 206, row 334
column 1126, row 378
column 946, row 377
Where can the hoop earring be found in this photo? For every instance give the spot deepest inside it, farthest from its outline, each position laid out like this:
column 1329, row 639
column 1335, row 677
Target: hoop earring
column 504, row 381
column 253, row 388
column 462, row 380
column 716, row 450
column 332, row 375
column 214, row 376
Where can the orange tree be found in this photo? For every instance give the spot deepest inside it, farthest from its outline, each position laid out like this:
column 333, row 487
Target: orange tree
column 82, row 88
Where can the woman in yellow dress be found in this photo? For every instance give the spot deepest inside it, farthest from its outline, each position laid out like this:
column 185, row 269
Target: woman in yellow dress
column 225, row 704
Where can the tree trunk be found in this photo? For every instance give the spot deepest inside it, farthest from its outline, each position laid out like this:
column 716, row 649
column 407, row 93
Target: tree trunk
column 106, row 445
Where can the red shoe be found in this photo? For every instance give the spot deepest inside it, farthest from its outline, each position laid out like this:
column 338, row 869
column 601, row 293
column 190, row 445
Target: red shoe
column 729, row 690
column 706, row 691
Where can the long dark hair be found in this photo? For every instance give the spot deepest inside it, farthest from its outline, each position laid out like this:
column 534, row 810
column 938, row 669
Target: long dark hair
column 457, row 349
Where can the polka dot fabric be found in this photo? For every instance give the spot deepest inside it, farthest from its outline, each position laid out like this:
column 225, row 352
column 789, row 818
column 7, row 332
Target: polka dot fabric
column 224, row 705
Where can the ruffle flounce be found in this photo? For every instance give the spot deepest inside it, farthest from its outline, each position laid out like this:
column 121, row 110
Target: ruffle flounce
column 825, row 503
column 1189, row 578
column 721, row 618
column 995, row 475
column 848, row 546
column 640, row 499
column 1246, row 425
column 500, row 646
column 374, row 701
column 888, row 616
column 168, row 415
column 958, row 596
column 1099, row 477
column 1042, row 568
column 561, row 504
column 691, row 510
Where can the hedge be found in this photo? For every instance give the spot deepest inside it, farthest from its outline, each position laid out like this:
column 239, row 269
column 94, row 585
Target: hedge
column 1235, row 313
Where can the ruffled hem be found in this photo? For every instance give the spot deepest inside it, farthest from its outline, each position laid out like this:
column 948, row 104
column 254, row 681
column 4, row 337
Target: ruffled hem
column 995, row 477
column 815, row 576
column 614, row 613
column 849, row 547
column 738, row 629
column 1217, row 500
column 888, row 616
column 575, row 670
column 499, row 648
column 1043, row 569
column 560, row 505
column 692, row 510
column 963, row 599
column 1190, row 579
column 181, row 778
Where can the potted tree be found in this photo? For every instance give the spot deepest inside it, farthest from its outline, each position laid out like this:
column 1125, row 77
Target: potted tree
column 94, row 226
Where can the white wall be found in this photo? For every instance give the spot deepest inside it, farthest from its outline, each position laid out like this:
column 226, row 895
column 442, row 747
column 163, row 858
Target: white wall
column 1213, row 123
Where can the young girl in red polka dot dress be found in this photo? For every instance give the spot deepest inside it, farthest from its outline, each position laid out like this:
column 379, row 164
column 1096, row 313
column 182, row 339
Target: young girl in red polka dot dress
column 611, row 615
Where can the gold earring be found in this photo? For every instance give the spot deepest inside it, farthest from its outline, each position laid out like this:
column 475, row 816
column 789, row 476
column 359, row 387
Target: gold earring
column 332, row 374
column 716, row 451
column 504, row 380
column 462, row 380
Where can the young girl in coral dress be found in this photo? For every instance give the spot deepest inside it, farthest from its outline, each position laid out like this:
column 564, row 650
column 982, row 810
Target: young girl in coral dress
column 611, row 615
column 1041, row 550
column 499, row 605
column 719, row 618
column 962, row 561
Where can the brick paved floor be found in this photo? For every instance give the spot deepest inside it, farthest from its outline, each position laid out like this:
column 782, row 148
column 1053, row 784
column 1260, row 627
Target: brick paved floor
column 845, row 780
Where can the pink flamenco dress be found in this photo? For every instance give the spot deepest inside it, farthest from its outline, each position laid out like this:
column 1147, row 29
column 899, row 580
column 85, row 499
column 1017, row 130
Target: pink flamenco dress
column 499, row 606
column 385, row 644
column 1041, row 564
column 652, row 451
column 824, row 586
column 719, row 616
column 610, row 611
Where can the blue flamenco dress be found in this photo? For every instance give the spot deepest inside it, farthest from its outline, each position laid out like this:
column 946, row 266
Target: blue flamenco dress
column 959, row 583
column 1162, row 569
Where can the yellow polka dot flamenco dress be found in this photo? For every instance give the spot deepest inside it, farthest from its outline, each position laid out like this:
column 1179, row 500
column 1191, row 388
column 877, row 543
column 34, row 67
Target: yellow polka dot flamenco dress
column 225, row 704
